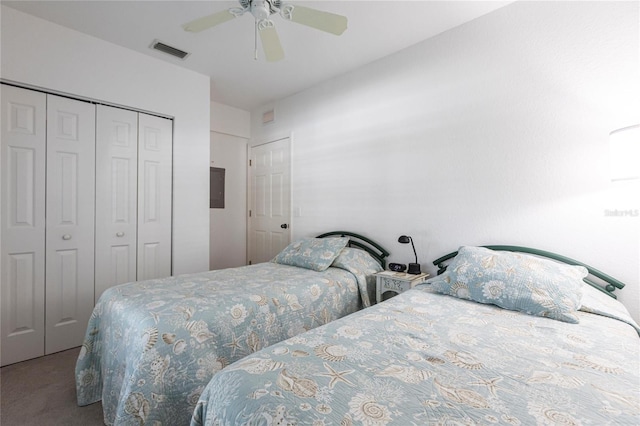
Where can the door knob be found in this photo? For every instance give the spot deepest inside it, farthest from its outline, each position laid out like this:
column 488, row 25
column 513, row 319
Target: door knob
column 119, row 234
column 66, row 237
column 284, row 226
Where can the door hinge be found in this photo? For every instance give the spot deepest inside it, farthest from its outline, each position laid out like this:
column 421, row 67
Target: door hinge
column 249, row 213
column 249, row 163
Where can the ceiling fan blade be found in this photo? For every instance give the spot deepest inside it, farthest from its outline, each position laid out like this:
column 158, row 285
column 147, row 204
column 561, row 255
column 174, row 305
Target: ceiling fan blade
column 271, row 44
column 209, row 21
column 318, row 19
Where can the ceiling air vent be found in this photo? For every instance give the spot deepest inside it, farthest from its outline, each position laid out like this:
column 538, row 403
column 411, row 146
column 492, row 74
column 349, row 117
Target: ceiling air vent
column 158, row 45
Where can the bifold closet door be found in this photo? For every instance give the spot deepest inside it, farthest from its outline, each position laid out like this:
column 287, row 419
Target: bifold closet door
column 116, row 201
column 22, row 231
column 155, row 137
column 70, row 204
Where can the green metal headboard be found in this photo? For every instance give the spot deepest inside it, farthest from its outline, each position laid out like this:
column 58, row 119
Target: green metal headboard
column 364, row 243
column 611, row 284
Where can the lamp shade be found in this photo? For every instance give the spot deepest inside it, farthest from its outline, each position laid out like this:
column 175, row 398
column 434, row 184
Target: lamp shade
column 624, row 153
column 403, row 239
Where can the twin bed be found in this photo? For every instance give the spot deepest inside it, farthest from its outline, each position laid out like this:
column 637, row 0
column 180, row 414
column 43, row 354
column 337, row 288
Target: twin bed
column 152, row 346
column 558, row 352
column 499, row 337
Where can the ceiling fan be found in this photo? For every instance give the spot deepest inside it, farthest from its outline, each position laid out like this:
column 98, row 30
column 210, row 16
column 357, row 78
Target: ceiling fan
column 262, row 11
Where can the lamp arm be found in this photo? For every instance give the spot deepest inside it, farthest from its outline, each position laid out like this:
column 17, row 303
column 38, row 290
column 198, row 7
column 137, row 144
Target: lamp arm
column 414, row 249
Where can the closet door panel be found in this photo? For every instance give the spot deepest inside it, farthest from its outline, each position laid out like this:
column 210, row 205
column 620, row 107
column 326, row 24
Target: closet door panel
column 116, row 203
column 154, row 196
column 22, row 228
column 70, row 204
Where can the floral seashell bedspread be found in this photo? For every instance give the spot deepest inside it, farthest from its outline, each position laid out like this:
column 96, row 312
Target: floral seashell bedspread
column 422, row 358
column 152, row 346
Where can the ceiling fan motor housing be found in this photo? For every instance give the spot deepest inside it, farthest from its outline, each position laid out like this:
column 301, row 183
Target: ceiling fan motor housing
column 260, row 9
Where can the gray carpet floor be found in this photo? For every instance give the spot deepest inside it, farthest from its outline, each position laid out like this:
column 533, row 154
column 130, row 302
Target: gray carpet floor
column 42, row 391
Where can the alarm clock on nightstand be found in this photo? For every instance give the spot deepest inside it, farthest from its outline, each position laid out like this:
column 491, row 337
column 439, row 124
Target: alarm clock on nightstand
column 397, row 267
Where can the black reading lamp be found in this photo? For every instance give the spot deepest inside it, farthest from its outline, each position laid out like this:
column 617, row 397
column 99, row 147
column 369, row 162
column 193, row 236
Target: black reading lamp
column 414, row 268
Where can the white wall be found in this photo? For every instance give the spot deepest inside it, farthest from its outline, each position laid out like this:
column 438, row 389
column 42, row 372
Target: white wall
column 230, row 130
column 230, row 120
column 492, row 133
column 42, row 54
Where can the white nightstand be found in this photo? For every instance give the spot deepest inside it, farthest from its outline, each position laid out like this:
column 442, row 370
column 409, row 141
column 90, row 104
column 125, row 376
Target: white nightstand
column 396, row 282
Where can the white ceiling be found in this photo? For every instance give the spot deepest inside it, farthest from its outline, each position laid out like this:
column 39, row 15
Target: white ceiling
column 226, row 53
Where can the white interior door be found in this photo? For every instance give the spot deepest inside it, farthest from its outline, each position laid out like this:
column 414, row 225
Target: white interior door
column 70, row 204
column 116, row 203
column 22, row 229
column 154, row 196
column 270, row 203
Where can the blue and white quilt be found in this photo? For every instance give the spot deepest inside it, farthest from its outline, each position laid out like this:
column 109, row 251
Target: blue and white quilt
column 152, row 346
column 423, row 358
